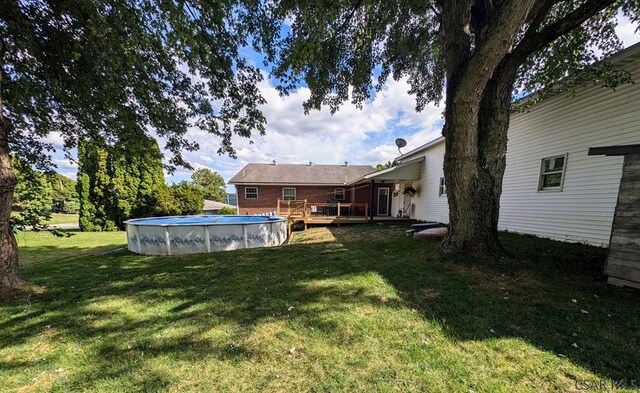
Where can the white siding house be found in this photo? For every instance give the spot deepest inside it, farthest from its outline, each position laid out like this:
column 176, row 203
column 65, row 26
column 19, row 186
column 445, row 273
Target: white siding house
column 569, row 196
column 429, row 201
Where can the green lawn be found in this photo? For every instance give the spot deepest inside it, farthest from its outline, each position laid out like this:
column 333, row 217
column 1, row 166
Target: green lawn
column 360, row 308
column 61, row 218
column 58, row 218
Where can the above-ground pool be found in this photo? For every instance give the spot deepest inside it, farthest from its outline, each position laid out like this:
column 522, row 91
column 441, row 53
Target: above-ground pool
column 198, row 234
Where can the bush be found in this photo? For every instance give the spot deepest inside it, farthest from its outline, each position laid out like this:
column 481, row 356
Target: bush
column 189, row 199
column 226, row 211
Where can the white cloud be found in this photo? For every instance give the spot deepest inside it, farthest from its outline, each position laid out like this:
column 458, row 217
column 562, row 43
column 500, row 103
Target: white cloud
column 69, row 174
column 360, row 136
column 627, row 31
column 55, row 139
column 65, row 163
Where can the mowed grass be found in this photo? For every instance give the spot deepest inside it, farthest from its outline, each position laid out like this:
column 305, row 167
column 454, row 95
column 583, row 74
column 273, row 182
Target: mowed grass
column 360, row 308
column 63, row 218
column 58, row 218
column 43, row 247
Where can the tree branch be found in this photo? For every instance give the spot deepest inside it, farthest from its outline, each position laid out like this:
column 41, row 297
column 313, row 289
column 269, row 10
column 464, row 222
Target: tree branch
column 536, row 41
column 455, row 30
column 538, row 13
column 497, row 40
column 347, row 20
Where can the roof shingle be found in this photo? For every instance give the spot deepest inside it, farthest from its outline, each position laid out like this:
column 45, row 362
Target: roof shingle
column 300, row 174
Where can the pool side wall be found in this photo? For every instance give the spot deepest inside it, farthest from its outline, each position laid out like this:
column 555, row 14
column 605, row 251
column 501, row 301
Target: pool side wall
column 196, row 239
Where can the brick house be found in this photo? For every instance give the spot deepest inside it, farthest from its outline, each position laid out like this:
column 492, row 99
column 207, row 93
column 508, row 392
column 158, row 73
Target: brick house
column 263, row 188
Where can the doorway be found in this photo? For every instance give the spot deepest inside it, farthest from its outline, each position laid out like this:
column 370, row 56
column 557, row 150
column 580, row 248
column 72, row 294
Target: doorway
column 383, row 201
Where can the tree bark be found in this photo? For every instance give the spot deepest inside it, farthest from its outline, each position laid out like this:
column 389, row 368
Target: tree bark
column 8, row 244
column 476, row 122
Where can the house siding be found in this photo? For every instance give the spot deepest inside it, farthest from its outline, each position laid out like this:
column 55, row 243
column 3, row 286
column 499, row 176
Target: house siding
column 569, row 124
column 268, row 196
column 564, row 124
column 428, row 204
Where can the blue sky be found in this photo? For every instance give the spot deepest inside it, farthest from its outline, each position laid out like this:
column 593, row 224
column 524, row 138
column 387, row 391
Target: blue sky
column 361, row 136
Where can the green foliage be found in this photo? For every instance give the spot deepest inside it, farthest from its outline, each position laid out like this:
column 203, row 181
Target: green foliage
column 119, row 182
column 188, row 198
column 65, row 197
column 387, row 165
column 38, row 194
column 137, row 174
column 166, row 204
column 87, row 210
column 227, row 211
column 211, row 184
column 32, row 197
column 92, row 70
column 334, row 47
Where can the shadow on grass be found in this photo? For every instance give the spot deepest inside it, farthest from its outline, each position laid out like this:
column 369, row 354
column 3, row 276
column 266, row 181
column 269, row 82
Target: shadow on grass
column 127, row 307
column 550, row 294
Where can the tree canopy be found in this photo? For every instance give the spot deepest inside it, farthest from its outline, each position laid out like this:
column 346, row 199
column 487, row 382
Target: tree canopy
column 96, row 70
column 92, row 70
column 38, row 194
column 119, row 182
column 346, row 50
column 188, row 198
column 210, row 183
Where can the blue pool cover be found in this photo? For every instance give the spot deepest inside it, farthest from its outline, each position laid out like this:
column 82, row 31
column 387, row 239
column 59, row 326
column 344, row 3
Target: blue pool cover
column 202, row 220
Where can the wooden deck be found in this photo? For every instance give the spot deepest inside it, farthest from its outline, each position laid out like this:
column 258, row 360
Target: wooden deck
column 309, row 213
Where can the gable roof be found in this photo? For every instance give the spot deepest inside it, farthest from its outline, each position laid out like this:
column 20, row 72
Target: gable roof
column 330, row 175
column 421, row 148
column 214, row 205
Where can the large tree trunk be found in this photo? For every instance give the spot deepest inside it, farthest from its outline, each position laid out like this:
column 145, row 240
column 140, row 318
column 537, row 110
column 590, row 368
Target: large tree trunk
column 474, row 167
column 8, row 245
column 473, row 177
column 479, row 85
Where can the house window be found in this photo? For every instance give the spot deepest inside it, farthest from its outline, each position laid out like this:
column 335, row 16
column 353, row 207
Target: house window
column 289, row 194
column 442, row 189
column 552, row 173
column 251, row 192
column 338, row 194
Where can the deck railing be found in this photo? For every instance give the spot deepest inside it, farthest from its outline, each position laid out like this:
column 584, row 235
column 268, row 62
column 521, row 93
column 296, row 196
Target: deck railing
column 303, row 208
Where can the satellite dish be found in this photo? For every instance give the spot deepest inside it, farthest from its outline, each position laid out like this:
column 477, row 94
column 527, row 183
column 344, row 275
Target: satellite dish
column 400, row 143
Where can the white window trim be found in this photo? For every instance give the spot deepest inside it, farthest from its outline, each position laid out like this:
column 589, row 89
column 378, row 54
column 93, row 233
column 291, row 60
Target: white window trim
column 335, row 195
column 295, row 193
column 442, row 187
column 541, row 173
column 245, row 193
